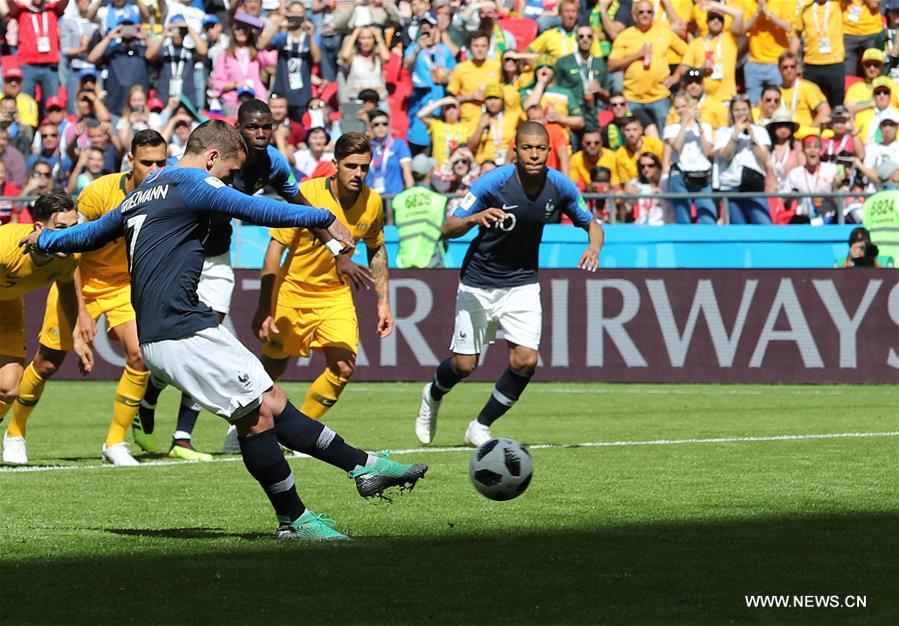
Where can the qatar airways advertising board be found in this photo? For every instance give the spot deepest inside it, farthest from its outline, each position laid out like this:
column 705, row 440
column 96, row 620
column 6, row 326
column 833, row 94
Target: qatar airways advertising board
column 735, row 326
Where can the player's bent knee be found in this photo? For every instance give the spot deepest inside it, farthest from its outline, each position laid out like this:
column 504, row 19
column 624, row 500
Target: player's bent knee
column 10, row 393
column 135, row 360
column 344, row 369
column 526, row 364
column 273, row 401
column 465, row 364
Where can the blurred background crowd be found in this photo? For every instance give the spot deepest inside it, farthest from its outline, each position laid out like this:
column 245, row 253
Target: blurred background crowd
column 640, row 96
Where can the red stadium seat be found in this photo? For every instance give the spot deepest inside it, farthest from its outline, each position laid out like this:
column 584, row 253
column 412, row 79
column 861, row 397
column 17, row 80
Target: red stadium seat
column 525, row 30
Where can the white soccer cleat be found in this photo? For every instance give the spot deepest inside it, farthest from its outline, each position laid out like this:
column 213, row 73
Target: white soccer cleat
column 477, row 434
column 232, row 445
column 119, row 455
column 426, row 422
column 15, row 450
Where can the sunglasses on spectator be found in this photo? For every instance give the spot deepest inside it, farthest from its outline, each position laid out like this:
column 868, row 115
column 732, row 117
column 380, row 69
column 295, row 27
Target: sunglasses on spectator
column 377, row 124
column 585, row 36
column 618, row 104
column 38, row 173
column 645, row 12
column 715, row 16
column 873, row 64
column 645, row 165
column 507, row 59
column 773, row 99
column 14, row 80
column 591, row 143
column 49, row 134
column 881, row 92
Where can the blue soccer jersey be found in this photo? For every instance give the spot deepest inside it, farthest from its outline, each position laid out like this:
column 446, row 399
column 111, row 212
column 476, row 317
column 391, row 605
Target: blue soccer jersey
column 507, row 254
column 270, row 168
column 163, row 222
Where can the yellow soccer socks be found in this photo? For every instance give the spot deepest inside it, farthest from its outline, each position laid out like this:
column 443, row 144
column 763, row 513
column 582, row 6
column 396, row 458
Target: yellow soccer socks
column 30, row 389
column 322, row 394
column 128, row 395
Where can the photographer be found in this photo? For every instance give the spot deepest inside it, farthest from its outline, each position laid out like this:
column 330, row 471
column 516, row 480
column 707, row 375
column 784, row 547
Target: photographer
column 122, row 54
column 176, row 61
column 862, row 252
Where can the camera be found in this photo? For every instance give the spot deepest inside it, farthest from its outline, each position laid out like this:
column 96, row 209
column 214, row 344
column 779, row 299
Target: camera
column 129, row 31
column 868, row 258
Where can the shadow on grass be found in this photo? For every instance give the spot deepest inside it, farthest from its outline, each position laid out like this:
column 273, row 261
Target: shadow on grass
column 662, row 573
column 185, row 533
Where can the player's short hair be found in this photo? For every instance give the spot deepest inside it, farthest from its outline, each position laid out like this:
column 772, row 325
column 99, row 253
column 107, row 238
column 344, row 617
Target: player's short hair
column 250, row 107
column 51, row 202
column 146, row 138
column 351, row 143
column 216, row 134
column 531, row 128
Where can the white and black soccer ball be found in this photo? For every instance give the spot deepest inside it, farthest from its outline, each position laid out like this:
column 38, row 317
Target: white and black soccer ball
column 501, row 469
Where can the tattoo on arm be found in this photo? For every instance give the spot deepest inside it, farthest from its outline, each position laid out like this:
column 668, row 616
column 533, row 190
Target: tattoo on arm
column 377, row 262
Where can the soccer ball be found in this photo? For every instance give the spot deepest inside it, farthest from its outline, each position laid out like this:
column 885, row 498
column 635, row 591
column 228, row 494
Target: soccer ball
column 501, row 469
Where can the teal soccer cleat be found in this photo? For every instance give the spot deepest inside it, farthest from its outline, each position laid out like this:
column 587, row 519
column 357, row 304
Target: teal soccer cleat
column 373, row 480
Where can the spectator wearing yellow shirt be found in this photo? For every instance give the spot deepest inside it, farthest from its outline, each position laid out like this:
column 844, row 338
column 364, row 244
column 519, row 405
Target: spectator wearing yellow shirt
column 716, row 53
column 821, row 25
column 641, row 51
column 446, row 134
column 469, row 78
column 711, row 111
column 635, row 143
column 674, row 15
column 860, row 96
column 561, row 41
column 494, row 133
column 770, row 33
column 27, row 106
column 802, row 97
column 701, row 10
column 591, row 155
column 862, row 26
column 867, row 122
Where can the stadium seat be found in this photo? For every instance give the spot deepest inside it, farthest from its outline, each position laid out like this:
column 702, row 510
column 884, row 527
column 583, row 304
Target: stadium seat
column 525, row 31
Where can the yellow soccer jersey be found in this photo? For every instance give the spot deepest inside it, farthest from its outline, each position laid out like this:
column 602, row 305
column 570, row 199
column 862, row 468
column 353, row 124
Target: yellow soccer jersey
column 309, row 270
column 20, row 273
column 107, row 268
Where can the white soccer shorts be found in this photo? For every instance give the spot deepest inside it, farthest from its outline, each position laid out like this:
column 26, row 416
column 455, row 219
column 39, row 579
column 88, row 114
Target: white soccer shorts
column 217, row 283
column 213, row 368
column 479, row 312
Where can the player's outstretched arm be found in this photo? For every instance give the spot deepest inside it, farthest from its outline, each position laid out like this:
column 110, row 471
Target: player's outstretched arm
column 83, row 237
column 456, row 226
column 210, row 194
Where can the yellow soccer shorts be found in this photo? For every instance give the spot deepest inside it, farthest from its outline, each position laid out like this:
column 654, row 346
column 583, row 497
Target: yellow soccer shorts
column 331, row 324
column 12, row 328
column 115, row 304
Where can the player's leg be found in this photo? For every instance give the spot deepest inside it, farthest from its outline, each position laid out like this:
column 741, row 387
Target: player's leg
column 182, row 445
column 471, row 330
column 11, row 368
column 518, row 311
column 55, row 339
column 12, row 351
column 336, row 332
column 130, row 390
column 143, row 428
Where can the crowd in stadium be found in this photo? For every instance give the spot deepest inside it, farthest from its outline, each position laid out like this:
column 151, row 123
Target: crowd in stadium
column 639, row 96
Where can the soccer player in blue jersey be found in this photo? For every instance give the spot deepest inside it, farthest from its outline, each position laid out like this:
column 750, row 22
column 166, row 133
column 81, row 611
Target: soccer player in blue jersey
column 264, row 166
column 498, row 285
column 182, row 341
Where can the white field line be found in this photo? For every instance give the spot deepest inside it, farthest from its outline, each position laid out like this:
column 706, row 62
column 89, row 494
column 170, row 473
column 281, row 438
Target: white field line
column 662, row 391
column 538, row 446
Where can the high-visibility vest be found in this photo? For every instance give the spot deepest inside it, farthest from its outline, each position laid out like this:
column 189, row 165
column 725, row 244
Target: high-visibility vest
column 881, row 218
column 418, row 214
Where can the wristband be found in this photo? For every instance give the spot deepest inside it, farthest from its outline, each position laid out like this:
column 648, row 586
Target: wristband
column 334, row 246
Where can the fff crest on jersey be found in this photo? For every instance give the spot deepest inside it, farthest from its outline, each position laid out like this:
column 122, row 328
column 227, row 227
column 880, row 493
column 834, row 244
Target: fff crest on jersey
column 549, row 208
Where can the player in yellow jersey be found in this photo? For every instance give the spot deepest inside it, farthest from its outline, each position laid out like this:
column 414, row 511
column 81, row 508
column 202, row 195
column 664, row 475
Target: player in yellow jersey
column 105, row 290
column 307, row 303
column 20, row 273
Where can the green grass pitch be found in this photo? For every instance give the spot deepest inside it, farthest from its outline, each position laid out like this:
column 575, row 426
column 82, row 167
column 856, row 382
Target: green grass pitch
column 671, row 532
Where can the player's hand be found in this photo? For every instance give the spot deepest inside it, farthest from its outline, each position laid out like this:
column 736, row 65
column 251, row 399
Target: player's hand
column 340, row 232
column 264, row 326
column 488, row 218
column 353, row 274
column 589, row 260
column 385, row 319
column 85, row 353
column 86, row 325
column 29, row 243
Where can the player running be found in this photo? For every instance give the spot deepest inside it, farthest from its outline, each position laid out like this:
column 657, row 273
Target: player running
column 105, row 289
column 310, row 295
column 264, row 166
column 20, row 273
column 498, row 284
column 184, row 344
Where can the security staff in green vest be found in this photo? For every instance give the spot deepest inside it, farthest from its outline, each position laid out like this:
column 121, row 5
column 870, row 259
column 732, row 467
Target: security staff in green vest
column 418, row 213
column 585, row 76
column 881, row 212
